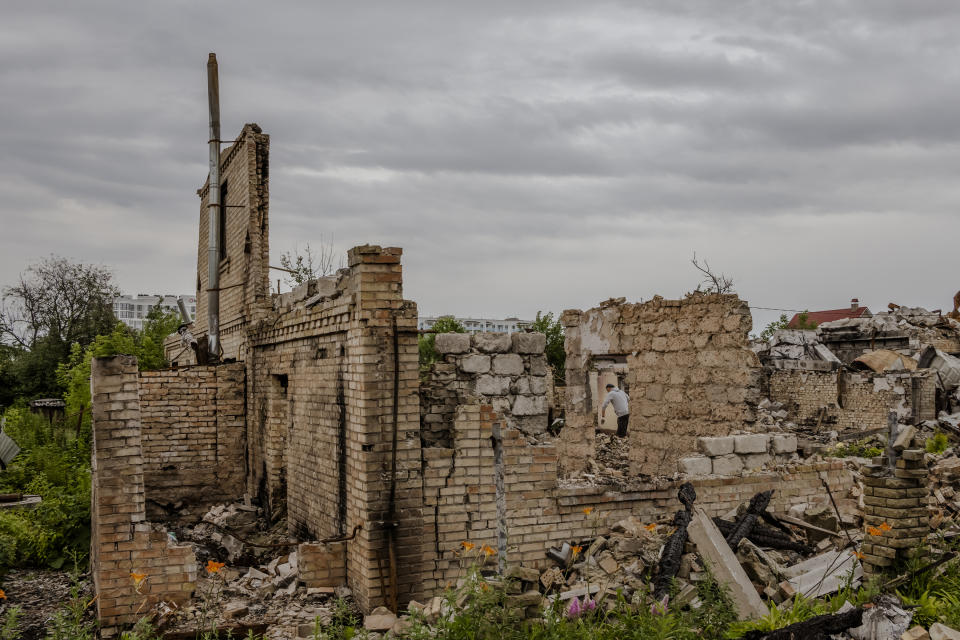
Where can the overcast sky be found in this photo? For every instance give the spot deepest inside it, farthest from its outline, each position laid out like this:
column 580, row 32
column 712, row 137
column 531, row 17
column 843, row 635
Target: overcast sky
column 526, row 155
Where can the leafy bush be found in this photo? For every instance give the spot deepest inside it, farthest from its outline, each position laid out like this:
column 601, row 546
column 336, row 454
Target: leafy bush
column 555, row 350
column 427, row 342
column 938, row 443
column 54, row 463
column 859, row 449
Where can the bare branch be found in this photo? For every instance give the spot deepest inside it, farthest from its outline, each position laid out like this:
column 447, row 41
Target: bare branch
column 715, row 283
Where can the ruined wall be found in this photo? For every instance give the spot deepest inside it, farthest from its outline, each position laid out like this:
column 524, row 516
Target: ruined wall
column 331, row 378
column 194, row 439
column 690, row 374
column 122, row 542
column 244, row 272
column 858, row 400
column 459, row 492
column 508, row 372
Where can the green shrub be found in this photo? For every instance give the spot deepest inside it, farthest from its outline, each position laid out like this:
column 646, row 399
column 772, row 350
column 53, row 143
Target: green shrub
column 859, row 449
column 938, row 443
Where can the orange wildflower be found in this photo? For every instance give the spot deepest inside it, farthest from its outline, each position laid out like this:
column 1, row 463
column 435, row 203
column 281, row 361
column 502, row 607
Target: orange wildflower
column 651, row 526
column 467, row 546
column 576, row 550
column 858, row 555
column 3, row 596
column 588, row 510
column 874, row 531
column 487, row 550
column 214, row 567
column 884, row 527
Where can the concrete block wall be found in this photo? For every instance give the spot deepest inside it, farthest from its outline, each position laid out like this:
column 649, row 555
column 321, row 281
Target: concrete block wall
column 460, row 497
column 859, row 400
column 508, row 372
column 690, row 374
column 739, row 454
column 194, row 439
column 122, row 541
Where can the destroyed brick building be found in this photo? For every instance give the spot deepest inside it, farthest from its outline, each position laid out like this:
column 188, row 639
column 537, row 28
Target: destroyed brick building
column 314, row 410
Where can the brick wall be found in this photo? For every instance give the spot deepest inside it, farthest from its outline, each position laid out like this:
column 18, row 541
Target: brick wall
column 122, row 541
column 460, row 497
column 194, row 443
column 244, row 273
column 689, row 373
column 322, row 565
column 321, row 382
column 859, row 400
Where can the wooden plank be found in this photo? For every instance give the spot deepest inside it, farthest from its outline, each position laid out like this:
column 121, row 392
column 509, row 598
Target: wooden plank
column 806, row 525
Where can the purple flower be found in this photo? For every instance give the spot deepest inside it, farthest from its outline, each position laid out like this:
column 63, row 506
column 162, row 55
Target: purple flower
column 575, row 609
column 589, row 605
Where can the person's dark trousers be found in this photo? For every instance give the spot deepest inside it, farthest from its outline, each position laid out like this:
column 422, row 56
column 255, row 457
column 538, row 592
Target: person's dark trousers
column 622, row 422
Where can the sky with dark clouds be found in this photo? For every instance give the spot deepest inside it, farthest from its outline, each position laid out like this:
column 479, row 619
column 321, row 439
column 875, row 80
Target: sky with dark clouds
column 526, row 155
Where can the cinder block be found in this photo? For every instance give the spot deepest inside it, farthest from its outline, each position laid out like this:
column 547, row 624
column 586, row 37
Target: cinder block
column 716, row 446
column 475, row 363
column 756, row 460
column 728, row 465
column 508, row 364
column 452, row 343
column 490, row 385
column 751, row 443
column 492, row 342
column 529, row 342
column 696, row 466
column 783, row 443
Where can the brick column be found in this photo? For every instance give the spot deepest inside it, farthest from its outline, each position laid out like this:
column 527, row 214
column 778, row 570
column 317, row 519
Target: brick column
column 895, row 512
column 122, row 542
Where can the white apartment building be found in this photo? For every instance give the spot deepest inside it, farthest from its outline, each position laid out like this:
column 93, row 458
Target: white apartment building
column 132, row 310
column 479, row 325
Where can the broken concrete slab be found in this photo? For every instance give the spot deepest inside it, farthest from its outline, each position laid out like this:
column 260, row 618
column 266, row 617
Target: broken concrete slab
column 940, row 631
column 380, row 619
column 714, row 550
column 824, row 574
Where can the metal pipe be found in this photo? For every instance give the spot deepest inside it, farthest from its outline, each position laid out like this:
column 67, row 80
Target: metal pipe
column 213, row 211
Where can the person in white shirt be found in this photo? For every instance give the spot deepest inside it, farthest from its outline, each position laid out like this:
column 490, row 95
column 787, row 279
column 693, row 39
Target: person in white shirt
column 621, row 406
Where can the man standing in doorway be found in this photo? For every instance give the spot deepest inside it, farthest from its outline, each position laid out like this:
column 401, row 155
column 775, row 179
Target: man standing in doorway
column 621, row 406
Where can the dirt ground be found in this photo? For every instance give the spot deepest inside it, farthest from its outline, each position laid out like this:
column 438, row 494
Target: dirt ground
column 39, row 594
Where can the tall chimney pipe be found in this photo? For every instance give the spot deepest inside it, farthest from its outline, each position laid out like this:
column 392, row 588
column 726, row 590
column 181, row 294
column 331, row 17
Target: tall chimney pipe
column 213, row 212
column 854, row 304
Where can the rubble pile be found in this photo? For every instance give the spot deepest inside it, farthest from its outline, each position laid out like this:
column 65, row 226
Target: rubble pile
column 249, row 578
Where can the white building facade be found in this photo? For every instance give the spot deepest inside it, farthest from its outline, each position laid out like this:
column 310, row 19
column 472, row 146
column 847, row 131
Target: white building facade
column 132, row 310
column 479, row 325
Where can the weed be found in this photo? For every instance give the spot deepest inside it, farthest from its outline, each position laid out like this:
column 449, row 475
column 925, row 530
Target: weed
column 859, row 449
column 938, row 443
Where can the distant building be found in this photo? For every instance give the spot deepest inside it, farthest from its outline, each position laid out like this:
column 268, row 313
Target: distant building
column 132, row 310
column 819, row 317
column 479, row 325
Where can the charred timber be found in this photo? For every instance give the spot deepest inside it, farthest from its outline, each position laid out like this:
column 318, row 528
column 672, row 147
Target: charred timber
column 758, row 504
column 818, row 628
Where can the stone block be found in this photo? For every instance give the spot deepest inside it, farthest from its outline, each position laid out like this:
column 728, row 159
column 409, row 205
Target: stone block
column 751, row 443
column 756, row 460
column 696, row 466
column 475, row 363
column 492, row 342
column 529, row 342
column 904, row 437
column 490, row 385
column 940, row 631
column 728, row 465
column 452, row 342
column 538, row 385
column 529, row 405
column 716, row 446
column 508, row 364
column 784, row 443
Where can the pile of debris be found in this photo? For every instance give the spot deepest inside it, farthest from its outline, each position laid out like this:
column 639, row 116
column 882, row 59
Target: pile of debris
column 249, row 580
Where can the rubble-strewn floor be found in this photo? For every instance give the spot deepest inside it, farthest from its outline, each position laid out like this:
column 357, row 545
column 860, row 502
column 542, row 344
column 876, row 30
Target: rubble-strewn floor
column 39, row 594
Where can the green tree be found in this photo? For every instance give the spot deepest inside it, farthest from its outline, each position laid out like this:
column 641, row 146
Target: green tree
column 556, row 354
column 427, row 342
column 803, row 322
column 55, row 304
